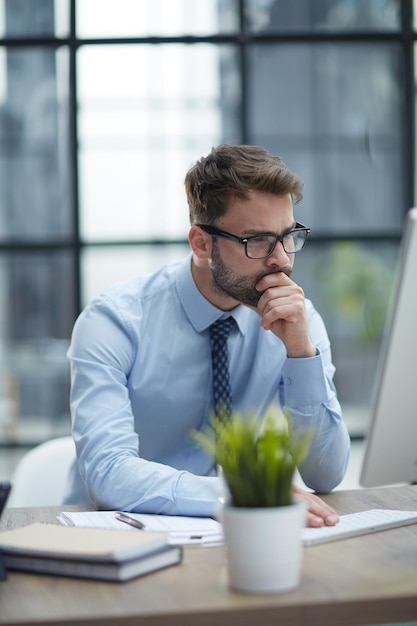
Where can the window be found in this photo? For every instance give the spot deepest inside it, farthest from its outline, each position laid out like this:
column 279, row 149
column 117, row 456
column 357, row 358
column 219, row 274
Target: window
column 105, row 104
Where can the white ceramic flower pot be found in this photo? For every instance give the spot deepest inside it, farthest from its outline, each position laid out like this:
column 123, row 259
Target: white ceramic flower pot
column 263, row 547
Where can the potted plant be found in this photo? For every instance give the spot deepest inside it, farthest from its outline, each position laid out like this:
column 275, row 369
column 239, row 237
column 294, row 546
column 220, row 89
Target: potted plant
column 262, row 523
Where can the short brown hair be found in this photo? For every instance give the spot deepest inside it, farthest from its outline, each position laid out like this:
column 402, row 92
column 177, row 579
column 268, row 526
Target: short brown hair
column 229, row 171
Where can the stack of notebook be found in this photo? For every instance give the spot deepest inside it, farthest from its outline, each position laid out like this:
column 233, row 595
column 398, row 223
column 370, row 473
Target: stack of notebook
column 86, row 552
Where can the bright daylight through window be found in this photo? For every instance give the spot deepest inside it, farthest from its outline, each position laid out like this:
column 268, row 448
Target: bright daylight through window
column 104, row 105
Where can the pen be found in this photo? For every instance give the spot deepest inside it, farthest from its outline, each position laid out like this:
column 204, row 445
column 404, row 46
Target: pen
column 124, row 517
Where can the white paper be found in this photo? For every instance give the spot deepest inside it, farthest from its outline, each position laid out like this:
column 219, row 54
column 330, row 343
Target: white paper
column 181, row 529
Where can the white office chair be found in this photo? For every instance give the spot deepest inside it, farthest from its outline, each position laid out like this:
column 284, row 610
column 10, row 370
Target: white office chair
column 40, row 477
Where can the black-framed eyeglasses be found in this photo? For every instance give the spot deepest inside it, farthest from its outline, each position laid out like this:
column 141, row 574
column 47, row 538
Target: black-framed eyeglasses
column 261, row 246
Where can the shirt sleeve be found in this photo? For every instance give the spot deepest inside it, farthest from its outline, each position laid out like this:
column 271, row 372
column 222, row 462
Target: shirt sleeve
column 308, row 395
column 113, row 474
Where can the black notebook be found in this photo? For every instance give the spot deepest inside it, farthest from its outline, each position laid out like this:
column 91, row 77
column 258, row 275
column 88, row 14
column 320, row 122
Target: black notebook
column 5, row 488
column 114, row 555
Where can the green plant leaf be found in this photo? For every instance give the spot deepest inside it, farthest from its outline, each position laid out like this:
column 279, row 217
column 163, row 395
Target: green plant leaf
column 258, row 457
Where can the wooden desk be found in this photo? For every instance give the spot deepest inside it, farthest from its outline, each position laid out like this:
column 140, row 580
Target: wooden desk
column 363, row 580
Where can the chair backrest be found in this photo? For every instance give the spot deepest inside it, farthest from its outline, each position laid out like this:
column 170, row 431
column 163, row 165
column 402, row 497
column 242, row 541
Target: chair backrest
column 41, row 475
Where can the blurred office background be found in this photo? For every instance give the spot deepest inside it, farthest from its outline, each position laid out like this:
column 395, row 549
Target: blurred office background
column 104, row 104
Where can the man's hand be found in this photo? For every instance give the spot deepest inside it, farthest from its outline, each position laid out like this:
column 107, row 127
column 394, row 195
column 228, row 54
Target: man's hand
column 282, row 309
column 318, row 512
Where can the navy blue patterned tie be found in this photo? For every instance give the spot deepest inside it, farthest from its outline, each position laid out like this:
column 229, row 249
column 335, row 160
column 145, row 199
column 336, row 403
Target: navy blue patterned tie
column 222, row 397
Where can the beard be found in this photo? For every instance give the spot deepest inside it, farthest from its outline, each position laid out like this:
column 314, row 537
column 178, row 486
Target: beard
column 241, row 288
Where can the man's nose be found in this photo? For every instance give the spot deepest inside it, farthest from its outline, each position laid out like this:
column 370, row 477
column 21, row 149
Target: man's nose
column 278, row 256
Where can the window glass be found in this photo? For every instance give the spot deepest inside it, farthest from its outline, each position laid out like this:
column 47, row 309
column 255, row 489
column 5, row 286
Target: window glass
column 104, row 266
column 34, row 18
column 35, row 177
column 350, row 284
column 138, row 136
column 142, row 18
column 34, row 334
column 339, row 124
column 323, row 15
column 146, row 111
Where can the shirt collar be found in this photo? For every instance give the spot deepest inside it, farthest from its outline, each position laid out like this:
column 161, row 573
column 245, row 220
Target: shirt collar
column 198, row 309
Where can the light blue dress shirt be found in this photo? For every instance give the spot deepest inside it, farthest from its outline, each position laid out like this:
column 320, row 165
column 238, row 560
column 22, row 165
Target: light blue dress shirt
column 141, row 382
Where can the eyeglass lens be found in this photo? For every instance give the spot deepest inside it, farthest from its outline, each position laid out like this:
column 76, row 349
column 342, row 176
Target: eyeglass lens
column 258, row 247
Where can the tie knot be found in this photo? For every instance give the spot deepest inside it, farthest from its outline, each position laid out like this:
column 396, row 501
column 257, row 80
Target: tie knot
column 221, row 328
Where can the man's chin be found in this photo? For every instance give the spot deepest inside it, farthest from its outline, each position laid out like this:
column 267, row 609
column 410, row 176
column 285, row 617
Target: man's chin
column 252, row 300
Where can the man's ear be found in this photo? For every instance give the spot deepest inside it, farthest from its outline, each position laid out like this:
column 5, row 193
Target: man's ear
column 200, row 242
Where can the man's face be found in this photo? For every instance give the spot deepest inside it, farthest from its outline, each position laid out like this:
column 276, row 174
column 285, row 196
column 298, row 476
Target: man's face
column 233, row 273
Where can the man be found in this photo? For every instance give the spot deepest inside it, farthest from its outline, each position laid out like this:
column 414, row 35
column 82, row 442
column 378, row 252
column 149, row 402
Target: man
column 141, row 361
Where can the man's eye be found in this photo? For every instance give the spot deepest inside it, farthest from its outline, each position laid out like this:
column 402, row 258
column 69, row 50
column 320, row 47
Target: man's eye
column 261, row 240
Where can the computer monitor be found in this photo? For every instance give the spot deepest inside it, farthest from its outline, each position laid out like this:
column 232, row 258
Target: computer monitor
column 391, row 447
